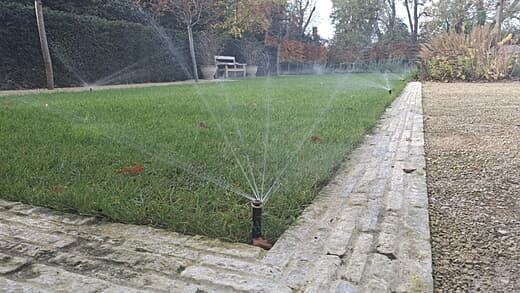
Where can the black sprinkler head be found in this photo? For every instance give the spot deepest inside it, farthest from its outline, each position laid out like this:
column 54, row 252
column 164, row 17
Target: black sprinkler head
column 258, row 239
column 257, row 218
column 389, row 91
column 90, row 89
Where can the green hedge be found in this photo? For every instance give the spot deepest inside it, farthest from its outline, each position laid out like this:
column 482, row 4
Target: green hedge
column 86, row 49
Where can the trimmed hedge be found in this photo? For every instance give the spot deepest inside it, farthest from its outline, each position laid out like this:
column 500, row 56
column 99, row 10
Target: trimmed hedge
column 86, row 49
column 107, row 9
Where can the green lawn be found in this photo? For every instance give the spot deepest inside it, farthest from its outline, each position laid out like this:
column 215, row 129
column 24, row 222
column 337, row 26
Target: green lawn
column 289, row 131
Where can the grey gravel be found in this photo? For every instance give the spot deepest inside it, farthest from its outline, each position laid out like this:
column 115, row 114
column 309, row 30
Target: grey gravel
column 473, row 161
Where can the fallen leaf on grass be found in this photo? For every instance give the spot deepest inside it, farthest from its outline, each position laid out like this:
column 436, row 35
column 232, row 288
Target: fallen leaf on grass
column 59, row 188
column 262, row 243
column 137, row 169
column 316, row 138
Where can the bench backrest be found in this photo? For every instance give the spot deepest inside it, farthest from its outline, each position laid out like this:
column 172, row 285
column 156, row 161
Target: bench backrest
column 225, row 60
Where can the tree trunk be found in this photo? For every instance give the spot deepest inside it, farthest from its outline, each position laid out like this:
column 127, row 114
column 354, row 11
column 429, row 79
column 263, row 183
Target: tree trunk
column 44, row 45
column 278, row 59
column 410, row 21
column 499, row 19
column 391, row 20
column 415, row 21
column 481, row 13
column 304, row 28
column 192, row 53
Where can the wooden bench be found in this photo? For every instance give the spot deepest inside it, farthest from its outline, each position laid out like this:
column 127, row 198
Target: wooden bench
column 228, row 64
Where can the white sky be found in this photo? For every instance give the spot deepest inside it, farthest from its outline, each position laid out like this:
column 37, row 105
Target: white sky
column 325, row 27
column 322, row 18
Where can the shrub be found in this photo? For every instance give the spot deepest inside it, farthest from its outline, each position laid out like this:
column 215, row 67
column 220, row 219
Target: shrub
column 208, row 44
column 516, row 70
column 86, row 49
column 455, row 56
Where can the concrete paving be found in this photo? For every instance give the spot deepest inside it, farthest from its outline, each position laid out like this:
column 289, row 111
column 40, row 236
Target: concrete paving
column 367, row 231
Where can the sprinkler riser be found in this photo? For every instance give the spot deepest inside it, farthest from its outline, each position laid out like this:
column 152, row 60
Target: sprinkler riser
column 257, row 219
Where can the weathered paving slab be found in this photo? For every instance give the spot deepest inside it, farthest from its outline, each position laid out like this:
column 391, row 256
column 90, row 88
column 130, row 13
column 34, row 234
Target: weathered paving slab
column 368, row 231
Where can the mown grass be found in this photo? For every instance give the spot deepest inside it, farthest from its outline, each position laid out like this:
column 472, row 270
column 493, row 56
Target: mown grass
column 80, row 140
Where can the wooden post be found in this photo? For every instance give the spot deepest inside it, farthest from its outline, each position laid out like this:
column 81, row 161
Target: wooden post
column 44, row 45
column 192, row 52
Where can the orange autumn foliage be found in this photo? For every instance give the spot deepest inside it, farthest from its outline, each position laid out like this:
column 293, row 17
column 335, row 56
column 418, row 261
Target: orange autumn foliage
column 292, row 51
column 298, row 51
column 302, row 52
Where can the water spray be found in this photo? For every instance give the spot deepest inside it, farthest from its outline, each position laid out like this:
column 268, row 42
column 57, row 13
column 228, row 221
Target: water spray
column 258, row 239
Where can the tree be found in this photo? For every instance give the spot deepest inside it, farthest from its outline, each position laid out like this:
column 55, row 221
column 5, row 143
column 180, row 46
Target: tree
column 499, row 18
column 300, row 16
column 413, row 17
column 44, row 45
column 357, row 22
column 481, row 14
column 456, row 15
column 247, row 16
column 511, row 10
column 289, row 21
column 391, row 15
column 278, row 31
column 189, row 12
column 462, row 16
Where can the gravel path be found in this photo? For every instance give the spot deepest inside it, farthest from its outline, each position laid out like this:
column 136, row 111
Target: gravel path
column 473, row 162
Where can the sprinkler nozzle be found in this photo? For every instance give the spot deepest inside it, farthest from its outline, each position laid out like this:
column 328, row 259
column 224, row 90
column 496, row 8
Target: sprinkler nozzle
column 389, row 91
column 258, row 240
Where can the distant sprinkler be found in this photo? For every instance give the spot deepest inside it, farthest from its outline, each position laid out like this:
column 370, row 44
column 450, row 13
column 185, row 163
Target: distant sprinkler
column 389, row 91
column 90, row 89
